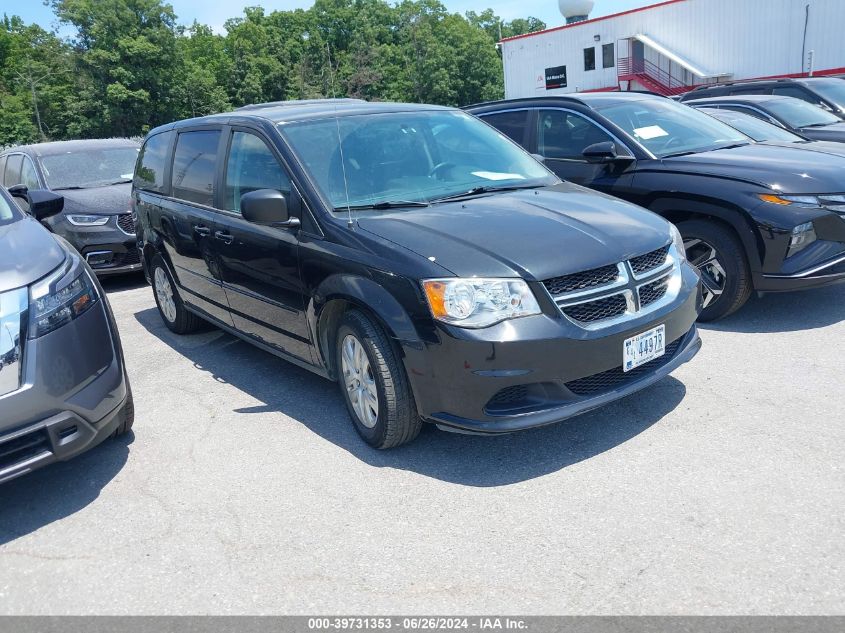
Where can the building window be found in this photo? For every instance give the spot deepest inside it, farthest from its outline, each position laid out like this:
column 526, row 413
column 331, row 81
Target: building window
column 608, row 59
column 590, row 58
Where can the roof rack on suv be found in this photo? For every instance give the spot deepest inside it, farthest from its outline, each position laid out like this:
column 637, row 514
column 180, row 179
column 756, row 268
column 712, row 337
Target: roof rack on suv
column 296, row 102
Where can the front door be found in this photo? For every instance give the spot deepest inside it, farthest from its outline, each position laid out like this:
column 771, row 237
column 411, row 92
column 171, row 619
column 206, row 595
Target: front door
column 260, row 264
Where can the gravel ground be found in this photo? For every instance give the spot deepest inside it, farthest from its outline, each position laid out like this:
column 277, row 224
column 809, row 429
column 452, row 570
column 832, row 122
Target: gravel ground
column 244, row 489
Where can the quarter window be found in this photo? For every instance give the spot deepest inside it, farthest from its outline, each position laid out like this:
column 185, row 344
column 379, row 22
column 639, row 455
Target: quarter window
column 590, row 58
column 194, row 164
column 149, row 173
column 608, row 59
column 565, row 135
column 252, row 166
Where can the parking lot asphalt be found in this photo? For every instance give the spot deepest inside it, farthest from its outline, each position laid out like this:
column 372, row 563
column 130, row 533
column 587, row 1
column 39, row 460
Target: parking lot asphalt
column 244, row 489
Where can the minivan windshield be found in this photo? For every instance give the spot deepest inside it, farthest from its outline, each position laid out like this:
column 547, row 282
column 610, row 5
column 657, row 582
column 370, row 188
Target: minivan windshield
column 409, row 158
column 796, row 113
column 87, row 168
column 756, row 128
column 668, row 128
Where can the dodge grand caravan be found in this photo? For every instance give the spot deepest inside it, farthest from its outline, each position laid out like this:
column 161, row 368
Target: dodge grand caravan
column 418, row 257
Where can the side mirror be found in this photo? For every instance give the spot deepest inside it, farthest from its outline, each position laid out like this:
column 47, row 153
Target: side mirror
column 268, row 207
column 42, row 203
column 604, row 152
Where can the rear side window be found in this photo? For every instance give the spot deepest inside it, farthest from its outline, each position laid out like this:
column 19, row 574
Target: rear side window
column 2, row 168
column 149, row 173
column 513, row 124
column 194, row 166
column 13, row 170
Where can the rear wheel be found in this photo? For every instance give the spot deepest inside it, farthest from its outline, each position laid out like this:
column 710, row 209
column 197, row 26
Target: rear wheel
column 719, row 257
column 170, row 306
column 374, row 385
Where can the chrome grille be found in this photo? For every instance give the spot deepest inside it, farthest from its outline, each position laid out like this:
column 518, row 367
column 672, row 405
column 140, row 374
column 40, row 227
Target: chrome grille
column 13, row 310
column 599, row 297
column 583, row 280
column 648, row 262
column 126, row 223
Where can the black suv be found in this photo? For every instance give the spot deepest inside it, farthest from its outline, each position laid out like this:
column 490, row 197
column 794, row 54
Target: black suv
column 753, row 217
column 827, row 93
column 94, row 177
column 412, row 253
column 791, row 114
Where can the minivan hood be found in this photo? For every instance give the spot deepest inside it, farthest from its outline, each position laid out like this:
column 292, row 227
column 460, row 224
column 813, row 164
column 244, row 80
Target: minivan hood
column 832, row 132
column 786, row 169
column 29, row 252
column 108, row 200
column 532, row 234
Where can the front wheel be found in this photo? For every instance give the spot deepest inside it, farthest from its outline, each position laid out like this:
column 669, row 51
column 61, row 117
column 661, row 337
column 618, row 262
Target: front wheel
column 720, row 259
column 374, row 385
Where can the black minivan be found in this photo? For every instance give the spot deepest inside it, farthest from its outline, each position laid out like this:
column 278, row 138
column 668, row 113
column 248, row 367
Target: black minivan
column 415, row 255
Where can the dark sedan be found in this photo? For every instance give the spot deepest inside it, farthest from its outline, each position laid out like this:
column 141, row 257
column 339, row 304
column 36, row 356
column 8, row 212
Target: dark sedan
column 753, row 216
column 789, row 113
column 94, row 177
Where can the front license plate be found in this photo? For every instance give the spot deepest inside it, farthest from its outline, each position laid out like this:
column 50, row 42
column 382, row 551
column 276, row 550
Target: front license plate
column 642, row 348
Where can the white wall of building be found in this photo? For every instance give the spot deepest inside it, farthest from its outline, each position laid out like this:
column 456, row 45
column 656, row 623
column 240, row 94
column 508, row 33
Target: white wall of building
column 747, row 38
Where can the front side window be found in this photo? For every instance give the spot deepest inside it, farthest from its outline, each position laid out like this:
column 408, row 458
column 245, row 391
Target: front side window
column 194, row 165
column 87, row 168
column 29, row 177
column 513, row 124
column 416, row 156
column 565, row 135
column 608, row 59
column 152, row 161
column 252, row 166
column 590, row 58
column 665, row 127
column 797, row 114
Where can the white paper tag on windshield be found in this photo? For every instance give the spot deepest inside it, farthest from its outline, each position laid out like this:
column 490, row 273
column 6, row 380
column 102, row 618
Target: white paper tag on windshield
column 495, row 175
column 650, row 131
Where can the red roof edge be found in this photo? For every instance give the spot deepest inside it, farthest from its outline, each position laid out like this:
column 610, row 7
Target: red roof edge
column 598, row 19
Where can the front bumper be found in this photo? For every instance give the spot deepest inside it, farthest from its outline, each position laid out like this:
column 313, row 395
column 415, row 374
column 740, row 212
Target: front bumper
column 823, row 274
column 540, row 370
column 107, row 249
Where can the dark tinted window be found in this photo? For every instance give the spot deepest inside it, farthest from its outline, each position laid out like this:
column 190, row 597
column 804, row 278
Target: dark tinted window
column 13, row 170
column 794, row 91
column 194, row 164
column 149, row 172
column 252, row 166
column 512, row 124
column 607, row 56
column 590, row 58
column 566, row 134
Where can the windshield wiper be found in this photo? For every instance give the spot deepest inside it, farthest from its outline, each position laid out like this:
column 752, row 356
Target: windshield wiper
column 701, row 151
column 817, row 125
column 477, row 191
column 384, row 205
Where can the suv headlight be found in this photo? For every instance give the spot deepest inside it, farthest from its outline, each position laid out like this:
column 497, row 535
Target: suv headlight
column 678, row 242
column 477, row 303
column 87, row 220
column 835, row 201
column 50, row 309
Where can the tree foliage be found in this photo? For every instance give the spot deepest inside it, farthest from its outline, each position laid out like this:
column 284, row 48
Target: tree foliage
column 130, row 66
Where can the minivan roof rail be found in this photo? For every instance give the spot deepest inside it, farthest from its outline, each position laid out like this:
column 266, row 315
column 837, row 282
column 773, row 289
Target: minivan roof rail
column 295, row 102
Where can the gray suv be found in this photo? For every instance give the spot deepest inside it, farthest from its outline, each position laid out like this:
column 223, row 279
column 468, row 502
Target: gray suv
column 63, row 385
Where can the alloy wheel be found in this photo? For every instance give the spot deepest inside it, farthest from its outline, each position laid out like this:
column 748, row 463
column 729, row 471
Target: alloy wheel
column 360, row 381
column 164, row 293
column 705, row 258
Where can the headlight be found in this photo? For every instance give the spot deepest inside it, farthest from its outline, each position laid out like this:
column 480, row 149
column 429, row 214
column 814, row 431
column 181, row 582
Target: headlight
column 678, row 241
column 49, row 310
column 88, row 220
column 479, row 302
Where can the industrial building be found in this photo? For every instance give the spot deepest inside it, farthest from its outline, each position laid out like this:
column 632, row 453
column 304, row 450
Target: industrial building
column 672, row 46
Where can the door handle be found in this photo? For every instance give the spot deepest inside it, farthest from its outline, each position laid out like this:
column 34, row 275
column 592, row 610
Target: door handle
column 202, row 230
column 224, row 237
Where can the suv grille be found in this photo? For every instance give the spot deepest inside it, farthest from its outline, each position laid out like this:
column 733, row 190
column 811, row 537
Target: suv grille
column 126, row 223
column 22, row 448
column 599, row 310
column 582, row 281
column 613, row 378
column 644, row 263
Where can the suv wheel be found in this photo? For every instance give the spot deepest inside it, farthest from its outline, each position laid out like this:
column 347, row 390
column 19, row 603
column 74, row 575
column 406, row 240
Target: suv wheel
column 128, row 413
column 173, row 312
column 374, row 385
column 720, row 259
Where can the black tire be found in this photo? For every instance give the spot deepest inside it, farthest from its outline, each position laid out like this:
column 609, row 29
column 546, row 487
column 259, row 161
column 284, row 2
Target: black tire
column 397, row 421
column 182, row 321
column 729, row 256
column 127, row 414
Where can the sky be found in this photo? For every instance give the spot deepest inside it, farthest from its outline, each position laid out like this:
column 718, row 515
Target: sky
column 216, row 13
